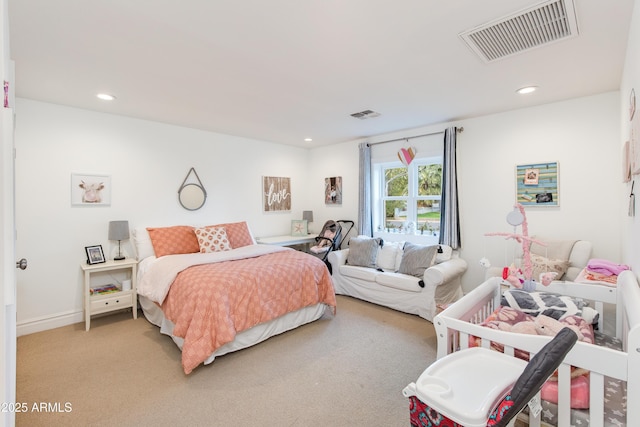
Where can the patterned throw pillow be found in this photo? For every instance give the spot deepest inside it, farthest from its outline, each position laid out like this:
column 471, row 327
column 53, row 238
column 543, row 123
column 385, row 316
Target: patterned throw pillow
column 549, row 304
column 417, row 258
column 363, row 251
column 179, row 239
column 541, row 264
column 212, row 239
column 238, row 234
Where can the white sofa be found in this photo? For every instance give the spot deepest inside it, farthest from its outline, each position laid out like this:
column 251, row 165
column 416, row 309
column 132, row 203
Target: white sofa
column 382, row 284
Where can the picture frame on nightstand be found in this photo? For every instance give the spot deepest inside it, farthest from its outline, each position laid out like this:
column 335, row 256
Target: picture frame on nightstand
column 95, row 254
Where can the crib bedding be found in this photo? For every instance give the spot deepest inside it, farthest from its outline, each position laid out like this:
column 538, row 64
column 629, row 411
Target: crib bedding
column 210, row 298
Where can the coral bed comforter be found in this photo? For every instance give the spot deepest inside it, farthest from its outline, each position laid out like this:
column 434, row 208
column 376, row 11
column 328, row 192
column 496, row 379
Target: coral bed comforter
column 211, row 297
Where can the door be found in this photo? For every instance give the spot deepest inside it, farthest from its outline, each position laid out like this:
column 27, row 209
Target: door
column 7, row 224
column 7, row 269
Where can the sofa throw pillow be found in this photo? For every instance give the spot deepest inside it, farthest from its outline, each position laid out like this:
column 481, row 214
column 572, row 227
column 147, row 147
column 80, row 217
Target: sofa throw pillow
column 363, row 251
column 388, row 256
column 541, row 264
column 417, row 258
column 212, row 239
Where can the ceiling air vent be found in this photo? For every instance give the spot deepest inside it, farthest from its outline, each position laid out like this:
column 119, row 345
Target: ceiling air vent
column 539, row 25
column 366, row 114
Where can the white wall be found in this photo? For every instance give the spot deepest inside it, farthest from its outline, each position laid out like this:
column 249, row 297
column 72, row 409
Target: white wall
column 147, row 162
column 583, row 135
column 630, row 80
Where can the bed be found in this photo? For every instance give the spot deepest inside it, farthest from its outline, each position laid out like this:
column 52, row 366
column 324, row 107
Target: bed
column 213, row 290
column 613, row 373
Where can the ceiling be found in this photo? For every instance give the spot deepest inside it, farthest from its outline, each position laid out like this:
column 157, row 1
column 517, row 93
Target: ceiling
column 286, row 70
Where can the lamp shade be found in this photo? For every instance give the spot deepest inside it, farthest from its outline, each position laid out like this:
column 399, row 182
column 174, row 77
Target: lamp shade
column 118, row 230
column 308, row 215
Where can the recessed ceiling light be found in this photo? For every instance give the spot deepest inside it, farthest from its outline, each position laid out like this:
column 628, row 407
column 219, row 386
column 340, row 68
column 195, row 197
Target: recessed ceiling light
column 308, row 139
column 527, row 89
column 106, row 97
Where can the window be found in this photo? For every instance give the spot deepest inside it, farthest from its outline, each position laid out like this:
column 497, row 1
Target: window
column 407, row 198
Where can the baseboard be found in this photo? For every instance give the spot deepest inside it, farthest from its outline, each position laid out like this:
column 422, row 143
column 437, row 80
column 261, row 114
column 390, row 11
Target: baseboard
column 31, row 326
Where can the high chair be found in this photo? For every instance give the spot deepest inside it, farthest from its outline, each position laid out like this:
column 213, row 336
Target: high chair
column 478, row 387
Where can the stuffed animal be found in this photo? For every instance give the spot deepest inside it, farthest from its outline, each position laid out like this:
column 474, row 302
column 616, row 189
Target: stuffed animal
column 548, row 277
column 513, row 275
column 542, row 325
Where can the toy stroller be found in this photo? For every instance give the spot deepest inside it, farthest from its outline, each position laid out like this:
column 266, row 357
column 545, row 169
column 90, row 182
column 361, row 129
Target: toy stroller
column 331, row 238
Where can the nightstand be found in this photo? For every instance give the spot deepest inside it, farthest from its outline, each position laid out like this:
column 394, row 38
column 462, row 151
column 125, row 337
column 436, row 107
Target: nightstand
column 97, row 304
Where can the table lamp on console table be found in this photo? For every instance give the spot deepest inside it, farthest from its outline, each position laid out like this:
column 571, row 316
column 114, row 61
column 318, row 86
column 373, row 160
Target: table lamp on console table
column 308, row 215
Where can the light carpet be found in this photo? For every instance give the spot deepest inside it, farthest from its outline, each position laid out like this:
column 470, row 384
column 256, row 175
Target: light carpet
column 342, row 370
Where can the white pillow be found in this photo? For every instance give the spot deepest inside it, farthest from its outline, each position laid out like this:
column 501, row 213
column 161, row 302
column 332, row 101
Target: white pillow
column 389, row 256
column 447, row 251
column 142, row 243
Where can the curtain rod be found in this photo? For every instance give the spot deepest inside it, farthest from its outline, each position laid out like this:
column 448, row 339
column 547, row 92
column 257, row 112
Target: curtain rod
column 458, row 130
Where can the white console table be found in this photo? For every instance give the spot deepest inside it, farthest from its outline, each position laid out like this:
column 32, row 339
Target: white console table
column 287, row 240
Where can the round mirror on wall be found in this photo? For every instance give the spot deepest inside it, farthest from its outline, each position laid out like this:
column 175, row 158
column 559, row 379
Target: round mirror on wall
column 192, row 195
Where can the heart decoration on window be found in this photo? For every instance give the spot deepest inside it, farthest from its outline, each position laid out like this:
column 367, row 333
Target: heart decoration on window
column 406, row 155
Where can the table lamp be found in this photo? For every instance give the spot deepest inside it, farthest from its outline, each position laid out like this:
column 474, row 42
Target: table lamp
column 308, row 215
column 119, row 230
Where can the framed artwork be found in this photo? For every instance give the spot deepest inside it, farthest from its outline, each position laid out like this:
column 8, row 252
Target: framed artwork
column 299, row 227
column 333, row 190
column 626, row 162
column 90, row 189
column 634, row 136
column 276, row 194
column 537, row 184
column 95, row 255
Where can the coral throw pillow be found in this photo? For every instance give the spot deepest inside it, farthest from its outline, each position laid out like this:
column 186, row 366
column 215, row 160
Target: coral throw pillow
column 180, row 239
column 238, row 234
column 212, row 239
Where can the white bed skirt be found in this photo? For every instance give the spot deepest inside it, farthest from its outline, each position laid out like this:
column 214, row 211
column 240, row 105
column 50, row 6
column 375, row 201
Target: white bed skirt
column 244, row 339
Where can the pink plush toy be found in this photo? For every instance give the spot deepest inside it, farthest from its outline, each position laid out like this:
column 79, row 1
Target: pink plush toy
column 548, row 277
column 549, row 326
column 513, row 275
column 542, row 325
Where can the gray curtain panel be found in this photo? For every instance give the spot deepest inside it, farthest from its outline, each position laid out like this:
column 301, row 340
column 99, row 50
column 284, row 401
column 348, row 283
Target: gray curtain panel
column 365, row 226
column 449, row 214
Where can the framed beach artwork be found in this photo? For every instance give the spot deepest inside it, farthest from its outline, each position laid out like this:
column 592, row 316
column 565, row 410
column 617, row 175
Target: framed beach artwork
column 537, row 184
column 90, row 189
column 276, row 194
column 299, row 227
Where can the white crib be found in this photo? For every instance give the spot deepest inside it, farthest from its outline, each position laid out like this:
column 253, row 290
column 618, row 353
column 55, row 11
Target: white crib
column 459, row 321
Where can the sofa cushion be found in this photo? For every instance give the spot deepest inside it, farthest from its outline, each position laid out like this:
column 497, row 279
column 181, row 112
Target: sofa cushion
column 399, row 281
column 389, row 256
column 364, row 273
column 416, row 259
column 447, row 253
column 554, row 249
column 540, row 264
column 363, row 251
